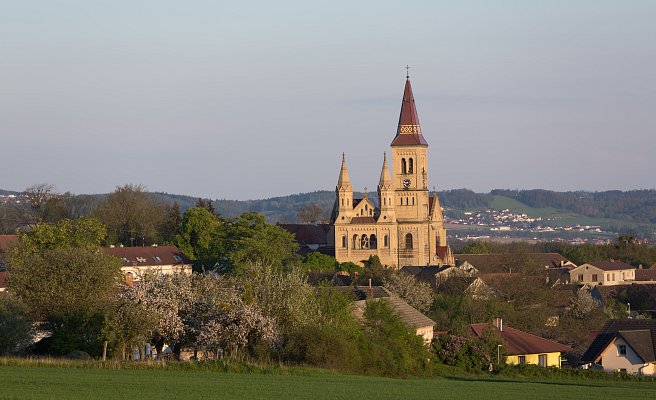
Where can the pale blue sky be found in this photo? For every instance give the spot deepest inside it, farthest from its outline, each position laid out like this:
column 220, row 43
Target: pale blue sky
column 511, row 94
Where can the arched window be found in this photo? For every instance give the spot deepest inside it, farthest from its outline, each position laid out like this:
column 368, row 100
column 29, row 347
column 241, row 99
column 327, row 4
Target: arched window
column 386, row 241
column 344, row 241
column 373, row 243
column 364, row 242
column 365, row 207
column 411, row 167
column 355, row 242
column 342, row 202
column 403, row 166
column 413, row 201
column 408, row 241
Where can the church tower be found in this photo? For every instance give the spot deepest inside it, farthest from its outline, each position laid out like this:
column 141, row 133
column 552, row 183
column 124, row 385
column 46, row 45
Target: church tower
column 410, row 176
column 406, row 227
column 344, row 192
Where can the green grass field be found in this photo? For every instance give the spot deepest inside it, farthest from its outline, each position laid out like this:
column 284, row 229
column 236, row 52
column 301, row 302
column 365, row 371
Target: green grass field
column 55, row 382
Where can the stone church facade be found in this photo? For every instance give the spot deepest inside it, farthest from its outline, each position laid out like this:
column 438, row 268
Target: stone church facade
column 405, row 226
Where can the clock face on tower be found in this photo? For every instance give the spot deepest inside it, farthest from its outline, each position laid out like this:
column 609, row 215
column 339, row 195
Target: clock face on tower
column 406, row 183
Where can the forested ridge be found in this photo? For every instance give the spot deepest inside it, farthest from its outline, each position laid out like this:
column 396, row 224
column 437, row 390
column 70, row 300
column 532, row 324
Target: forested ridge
column 631, row 206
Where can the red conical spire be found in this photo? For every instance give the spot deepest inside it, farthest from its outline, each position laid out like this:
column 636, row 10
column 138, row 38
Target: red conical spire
column 409, row 130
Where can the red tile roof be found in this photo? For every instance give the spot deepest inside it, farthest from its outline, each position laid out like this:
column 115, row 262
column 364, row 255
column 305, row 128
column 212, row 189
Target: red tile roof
column 645, row 274
column 610, row 265
column 307, row 234
column 503, row 262
column 3, row 280
column 520, row 342
column 7, row 241
column 151, row 255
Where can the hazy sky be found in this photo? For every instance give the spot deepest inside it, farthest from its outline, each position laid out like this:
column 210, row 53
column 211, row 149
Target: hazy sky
column 245, row 100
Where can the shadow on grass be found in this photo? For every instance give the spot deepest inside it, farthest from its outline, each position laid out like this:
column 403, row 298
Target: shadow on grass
column 540, row 382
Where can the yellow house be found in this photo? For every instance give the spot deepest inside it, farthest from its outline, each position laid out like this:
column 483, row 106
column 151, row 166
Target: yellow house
column 524, row 348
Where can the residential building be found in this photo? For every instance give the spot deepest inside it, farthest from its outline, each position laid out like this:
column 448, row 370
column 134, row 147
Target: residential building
column 310, row 237
column 3, row 281
column 524, row 348
column 513, row 262
column 627, row 345
column 404, row 226
column 160, row 259
column 603, row 273
column 6, row 241
column 410, row 316
column 437, row 275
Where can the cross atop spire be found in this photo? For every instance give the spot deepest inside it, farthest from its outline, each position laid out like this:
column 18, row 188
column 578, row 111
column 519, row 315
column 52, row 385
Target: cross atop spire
column 343, row 183
column 407, row 71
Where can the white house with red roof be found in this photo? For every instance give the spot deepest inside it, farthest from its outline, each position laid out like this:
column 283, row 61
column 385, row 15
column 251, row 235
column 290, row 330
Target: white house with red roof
column 161, row 259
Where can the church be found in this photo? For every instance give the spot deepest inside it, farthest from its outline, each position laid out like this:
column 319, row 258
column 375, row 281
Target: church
column 405, row 225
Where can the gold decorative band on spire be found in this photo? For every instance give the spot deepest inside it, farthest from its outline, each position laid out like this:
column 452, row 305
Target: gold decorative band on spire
column 414, row 129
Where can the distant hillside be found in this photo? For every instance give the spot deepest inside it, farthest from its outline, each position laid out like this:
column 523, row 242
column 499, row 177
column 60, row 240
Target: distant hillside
column 633, row 205
column 633, row 210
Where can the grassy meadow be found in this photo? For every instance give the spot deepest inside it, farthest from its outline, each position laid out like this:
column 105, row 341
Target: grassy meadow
column 67, row 381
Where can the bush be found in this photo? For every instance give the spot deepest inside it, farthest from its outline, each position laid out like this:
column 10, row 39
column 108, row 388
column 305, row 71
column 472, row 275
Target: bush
column 15, row 324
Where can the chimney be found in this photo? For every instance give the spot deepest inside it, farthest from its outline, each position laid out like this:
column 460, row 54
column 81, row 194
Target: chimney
column 498, row 323
column 111, row 246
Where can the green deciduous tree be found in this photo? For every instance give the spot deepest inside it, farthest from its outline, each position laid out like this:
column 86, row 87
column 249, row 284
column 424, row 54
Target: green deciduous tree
column 132, row 216
column 198, row 237
column 65, row 281
column 15, row 324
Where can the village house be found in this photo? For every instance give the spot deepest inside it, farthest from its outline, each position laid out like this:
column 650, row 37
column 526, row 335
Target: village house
column 524, row 348
column 160, row 259
column 435, row 276
column 513, row 262
column 6, row 241
column 603, row 273
column 627, row 345
column 310, row 237
column 410, row 316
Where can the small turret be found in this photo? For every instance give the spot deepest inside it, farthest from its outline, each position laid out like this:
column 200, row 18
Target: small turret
column 344, row 192
column 386, row 194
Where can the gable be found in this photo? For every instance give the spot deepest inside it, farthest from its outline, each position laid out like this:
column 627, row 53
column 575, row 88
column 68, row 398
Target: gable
column 364, row 208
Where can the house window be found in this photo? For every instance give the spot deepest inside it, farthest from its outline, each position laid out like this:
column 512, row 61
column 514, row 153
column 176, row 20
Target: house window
column 521, row 360
column 580, row 278
column 408, row 241
column 344, row 240
column 594, row 278
column 613, row 276
column 542, row 360
column 621, row 349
